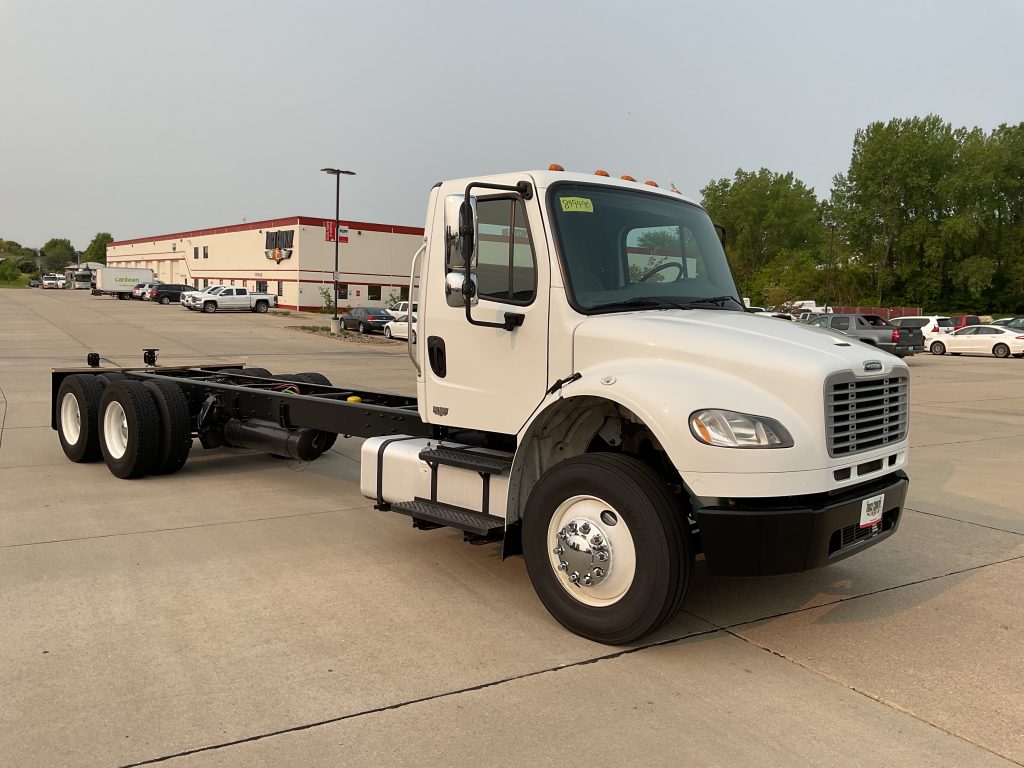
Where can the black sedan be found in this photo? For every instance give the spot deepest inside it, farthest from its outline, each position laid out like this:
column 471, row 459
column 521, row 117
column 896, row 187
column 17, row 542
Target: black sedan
column 366, row 319
column 168, row 292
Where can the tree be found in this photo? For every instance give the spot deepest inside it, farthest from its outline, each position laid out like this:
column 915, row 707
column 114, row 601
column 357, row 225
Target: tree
column 774, row 233
column 97, row 250
column 57, row 254
column 9, row 271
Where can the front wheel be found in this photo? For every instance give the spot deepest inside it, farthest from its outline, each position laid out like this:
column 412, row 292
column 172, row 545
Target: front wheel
column 937, row 348
column 1001, row 350
column 209, row 307
column 387, row 332
column 606, row 547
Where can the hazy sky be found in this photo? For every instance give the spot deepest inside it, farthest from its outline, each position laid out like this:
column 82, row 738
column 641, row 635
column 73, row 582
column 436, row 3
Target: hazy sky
column 141, row 118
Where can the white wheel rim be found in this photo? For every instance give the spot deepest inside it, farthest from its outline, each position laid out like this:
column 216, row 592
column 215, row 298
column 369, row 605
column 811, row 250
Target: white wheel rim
column 581, row 551
column 115, row 430
column 70, row 419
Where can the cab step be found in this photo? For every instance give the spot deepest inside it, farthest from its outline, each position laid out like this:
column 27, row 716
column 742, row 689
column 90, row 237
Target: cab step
column 438, row 513
column 463, row 458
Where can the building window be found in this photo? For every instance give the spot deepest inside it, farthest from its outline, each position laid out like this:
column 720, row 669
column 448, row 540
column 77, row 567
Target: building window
column 373, row 292
column 403, row 293
column 261, row 286
column 206, row 283
column 280, row 288
column 195, row 252
column 206, row 251
column 195, row 283
column 342, row 291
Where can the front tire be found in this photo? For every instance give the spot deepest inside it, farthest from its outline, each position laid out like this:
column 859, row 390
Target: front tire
column 937, row 348
column 606, row 547
column 1001, row 350
column 387, row 332
column 209, row 307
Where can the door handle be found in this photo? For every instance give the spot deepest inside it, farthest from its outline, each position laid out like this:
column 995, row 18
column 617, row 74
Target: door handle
column 436, row 356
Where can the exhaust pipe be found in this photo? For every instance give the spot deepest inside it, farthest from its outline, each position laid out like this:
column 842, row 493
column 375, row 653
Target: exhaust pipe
column 299, row 443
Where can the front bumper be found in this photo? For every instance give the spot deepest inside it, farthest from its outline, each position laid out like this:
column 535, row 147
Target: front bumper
column 765, row 537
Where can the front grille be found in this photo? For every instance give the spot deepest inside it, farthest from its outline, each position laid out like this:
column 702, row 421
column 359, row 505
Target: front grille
column 863, row 414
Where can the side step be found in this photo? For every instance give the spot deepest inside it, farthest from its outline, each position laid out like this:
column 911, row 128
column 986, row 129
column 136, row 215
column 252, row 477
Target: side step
column 486, row 463
column 454, row 517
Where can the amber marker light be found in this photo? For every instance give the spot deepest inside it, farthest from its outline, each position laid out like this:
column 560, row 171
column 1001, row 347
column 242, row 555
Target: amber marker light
column 650, row 183
column 703, row 430
column 555, row 167
column 627, row 178
column 599, row 172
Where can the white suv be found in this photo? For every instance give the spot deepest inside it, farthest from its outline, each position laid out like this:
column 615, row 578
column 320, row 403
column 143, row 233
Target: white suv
column 402, row 308
column 932, row 326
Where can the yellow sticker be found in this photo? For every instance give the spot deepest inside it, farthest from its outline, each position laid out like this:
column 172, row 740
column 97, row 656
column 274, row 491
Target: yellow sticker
column 577, row 204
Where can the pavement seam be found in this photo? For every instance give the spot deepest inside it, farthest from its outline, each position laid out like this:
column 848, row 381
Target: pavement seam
column 965, row 522
column 179, row 528
column 421, row 699
column 3, row 416
column 913, row 446
column 872, row 697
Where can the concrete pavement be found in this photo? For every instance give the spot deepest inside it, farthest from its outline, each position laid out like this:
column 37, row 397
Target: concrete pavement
column 282, row 621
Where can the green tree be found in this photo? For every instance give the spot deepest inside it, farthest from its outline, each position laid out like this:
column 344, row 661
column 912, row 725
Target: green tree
column 57, row 254
column 9, row 272
column 97, row 250
column 774, row 233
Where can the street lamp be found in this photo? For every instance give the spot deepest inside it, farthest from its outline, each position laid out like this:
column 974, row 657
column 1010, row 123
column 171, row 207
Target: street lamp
column 337, row 173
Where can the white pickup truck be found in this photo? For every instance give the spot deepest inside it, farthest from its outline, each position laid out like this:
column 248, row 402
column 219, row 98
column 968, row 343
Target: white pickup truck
column 590, row 392
column 228, row 298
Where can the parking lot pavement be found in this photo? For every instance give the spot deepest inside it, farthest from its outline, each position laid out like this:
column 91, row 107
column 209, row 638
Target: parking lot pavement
column 248, row 611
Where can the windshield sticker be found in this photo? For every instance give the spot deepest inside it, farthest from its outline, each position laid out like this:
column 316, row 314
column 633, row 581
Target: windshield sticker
column 577, row 204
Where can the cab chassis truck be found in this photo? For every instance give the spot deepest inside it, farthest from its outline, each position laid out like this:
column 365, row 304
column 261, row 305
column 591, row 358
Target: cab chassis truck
column 590, row 392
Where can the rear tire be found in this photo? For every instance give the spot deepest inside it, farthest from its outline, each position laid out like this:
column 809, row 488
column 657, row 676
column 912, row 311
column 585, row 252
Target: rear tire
column 261, row 372
column 362, row 328
column 937, row 348
column 1001, row 350
column 325, row 440
column 262, row 307
column 639, row 581
column 129, row 429
column 412, row 337
column 78, row 403
column 165, row 300
column 175, row 426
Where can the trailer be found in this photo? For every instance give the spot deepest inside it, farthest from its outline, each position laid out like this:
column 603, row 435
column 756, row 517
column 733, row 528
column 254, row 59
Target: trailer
column 591, row 393
column 119, row 281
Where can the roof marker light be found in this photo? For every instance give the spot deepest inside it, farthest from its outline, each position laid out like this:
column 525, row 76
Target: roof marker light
column 599, row 172
column 627, row 178
column 555, row 167
column 650, row 183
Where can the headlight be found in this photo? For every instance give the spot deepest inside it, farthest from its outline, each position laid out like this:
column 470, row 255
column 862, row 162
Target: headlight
column 730, row 429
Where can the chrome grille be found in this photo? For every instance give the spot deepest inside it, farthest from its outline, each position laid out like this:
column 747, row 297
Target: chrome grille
column 865, row 413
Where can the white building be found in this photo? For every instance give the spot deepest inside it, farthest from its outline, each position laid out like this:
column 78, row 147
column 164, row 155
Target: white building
column 292, row 257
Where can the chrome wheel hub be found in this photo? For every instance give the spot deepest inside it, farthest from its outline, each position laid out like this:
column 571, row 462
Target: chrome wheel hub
column 583, row 552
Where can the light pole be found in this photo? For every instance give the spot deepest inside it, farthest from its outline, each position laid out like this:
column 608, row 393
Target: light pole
column 337, row 173
column 831, row 248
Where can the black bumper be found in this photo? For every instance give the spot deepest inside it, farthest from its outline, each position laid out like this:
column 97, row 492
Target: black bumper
column 765, row 537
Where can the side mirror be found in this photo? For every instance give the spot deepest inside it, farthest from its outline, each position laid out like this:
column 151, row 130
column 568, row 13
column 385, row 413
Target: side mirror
column 460, row 232
column 455, row 292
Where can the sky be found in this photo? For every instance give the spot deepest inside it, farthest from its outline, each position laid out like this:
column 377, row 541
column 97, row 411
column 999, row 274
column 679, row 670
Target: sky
column 142, row 118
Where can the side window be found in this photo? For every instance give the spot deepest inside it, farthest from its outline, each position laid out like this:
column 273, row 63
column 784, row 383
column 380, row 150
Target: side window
column 507, row 269
column 841, row 323
column 820, row 322
column 241, row 292
column 228, row 292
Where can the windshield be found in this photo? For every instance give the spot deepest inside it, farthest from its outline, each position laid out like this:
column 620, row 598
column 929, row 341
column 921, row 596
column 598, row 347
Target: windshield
column 623, row 249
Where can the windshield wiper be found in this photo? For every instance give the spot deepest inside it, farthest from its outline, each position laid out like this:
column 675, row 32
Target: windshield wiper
column 639, row 302
column 719, row 300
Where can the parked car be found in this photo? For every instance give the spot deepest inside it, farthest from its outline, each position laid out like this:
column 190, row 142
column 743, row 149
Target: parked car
column 1010, row 322
column 961, row 321
column 981, row 340
column 399, row 328
column 366, row 319
column 141, row 291
column 234, row 299
column 168, row 292
column 401, row 308
column 876, row 331
column 191, row 299
column 33, row 283
column 932, row 326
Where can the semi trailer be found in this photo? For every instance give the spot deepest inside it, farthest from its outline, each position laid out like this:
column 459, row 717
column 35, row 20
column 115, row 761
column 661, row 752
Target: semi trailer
column 591, row 393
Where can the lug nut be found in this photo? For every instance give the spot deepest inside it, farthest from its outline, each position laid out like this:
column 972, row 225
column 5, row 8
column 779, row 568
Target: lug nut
column 587, row 581
column 585, row 529
column 572, row 527
column 574, row 576
column 597, row 540
column 602, row 556
column 562, row 535
column 563, row 566
column 558, row 550
column 599, row 572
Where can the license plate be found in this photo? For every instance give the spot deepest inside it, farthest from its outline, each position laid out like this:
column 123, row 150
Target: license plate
column 871, row 510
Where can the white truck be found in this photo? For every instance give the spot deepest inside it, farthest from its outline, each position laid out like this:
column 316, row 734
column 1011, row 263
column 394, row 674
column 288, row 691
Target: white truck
column 119, row 281
column 231, row 299
column 590, row 393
